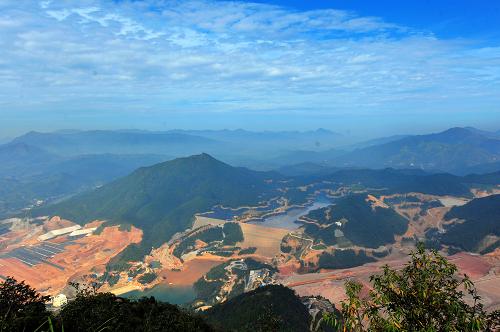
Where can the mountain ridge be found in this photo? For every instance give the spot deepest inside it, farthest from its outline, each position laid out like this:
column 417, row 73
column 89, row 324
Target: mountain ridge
column 161, row 199
column 450, row 151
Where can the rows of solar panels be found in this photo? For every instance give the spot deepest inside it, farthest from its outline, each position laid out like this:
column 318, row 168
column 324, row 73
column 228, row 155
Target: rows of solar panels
column 37, row 254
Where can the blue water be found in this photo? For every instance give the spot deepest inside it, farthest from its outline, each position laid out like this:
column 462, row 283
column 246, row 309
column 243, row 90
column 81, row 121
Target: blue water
column 224, row 213
column 288, row 220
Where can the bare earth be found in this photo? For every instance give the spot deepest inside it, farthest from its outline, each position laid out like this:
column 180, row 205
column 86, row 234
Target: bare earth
column 267, row 240
column 79, row 258
column 483, row 270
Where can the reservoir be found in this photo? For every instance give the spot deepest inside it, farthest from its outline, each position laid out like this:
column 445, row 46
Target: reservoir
column 288, row 219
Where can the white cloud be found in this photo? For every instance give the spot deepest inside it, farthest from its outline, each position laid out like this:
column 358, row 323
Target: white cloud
column 163, row 55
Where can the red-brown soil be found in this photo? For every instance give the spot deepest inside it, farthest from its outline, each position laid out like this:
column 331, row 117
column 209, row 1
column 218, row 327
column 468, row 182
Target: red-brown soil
column 483, row 270
column 80, row 258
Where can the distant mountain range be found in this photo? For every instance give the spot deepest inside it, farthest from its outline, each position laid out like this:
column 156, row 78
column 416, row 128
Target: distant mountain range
column 453, row 150
column 118, row 142
column 177, row 142
column 70, row 161
column 20, row 159
column 456, row 150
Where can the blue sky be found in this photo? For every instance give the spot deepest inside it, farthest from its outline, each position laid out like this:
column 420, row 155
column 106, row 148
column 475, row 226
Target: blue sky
column 366, row 67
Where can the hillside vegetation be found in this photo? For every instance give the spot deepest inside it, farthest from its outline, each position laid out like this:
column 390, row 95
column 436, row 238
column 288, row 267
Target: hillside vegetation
column 426, row 294
column 268, row 308
column 481, row 217
column 162, row 199
column 402, row 181
column 361, row 224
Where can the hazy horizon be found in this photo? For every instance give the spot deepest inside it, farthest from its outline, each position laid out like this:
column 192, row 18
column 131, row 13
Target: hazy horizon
column 355, row 137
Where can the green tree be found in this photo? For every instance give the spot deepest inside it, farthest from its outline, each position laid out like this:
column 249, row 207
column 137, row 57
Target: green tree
column 94, row 311
column 22, row 308
column 426, row 295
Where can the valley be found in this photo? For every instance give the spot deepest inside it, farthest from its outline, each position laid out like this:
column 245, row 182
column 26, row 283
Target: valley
column 311, row 234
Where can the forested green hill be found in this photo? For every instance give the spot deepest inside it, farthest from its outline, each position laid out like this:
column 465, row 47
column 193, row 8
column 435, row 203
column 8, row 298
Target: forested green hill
column 481, row 218
column 162, row 199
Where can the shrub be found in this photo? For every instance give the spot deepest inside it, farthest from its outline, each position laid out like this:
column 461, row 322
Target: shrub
column 426, row 295
column 22, row 308
column 146, row 278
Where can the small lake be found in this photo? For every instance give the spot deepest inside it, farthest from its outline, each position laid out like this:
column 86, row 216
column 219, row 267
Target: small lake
column 165, row 293
column 288, row 220
column 225, row 213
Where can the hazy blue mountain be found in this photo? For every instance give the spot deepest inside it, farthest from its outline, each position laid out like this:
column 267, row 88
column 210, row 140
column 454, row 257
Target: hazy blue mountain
column 118, row 142
column 258, row 150
column 170, row 142
column 486, row 178
column 17, row 159
column 375, row 141
column 454, row 150
column 451, row 151
column 104, row 167
column 298, row 140
column 482, row 168
column 5, row 140
column 491, row 134
column 306, row 169
column 37, row 175
column 324, row 158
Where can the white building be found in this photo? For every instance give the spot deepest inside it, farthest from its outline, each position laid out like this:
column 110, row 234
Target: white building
column 57, row 232
column 83, row 231
column 59, row 300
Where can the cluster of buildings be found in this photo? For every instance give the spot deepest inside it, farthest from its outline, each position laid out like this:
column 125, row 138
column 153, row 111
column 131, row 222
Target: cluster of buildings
column 259, row 278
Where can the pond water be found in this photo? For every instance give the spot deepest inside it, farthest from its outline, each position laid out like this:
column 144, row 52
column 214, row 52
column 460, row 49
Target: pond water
column 288, row 220
column 165, row 293
column 220, row 212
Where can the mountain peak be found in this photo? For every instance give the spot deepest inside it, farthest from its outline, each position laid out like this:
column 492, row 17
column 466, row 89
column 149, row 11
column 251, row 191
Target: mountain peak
column 165, row 196
column 201, row 158
column 20, row 147
column 458, row 130
column 204, row 155
column 457, row 133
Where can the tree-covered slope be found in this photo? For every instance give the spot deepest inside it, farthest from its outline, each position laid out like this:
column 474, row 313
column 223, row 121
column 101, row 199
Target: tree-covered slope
column 162, row 199
column 400, row 181
column 269, row 308
column 361, row 224
column 38, row 177
column 481, row 217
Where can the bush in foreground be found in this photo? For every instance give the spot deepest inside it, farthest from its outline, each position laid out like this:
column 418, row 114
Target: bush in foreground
column 105, row 311
column 22, row 308
column 426, row 295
